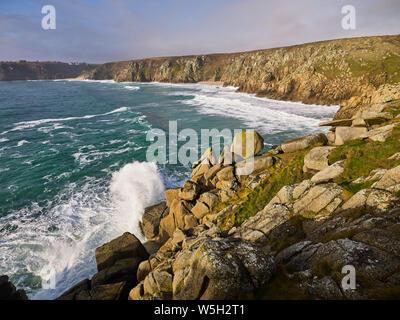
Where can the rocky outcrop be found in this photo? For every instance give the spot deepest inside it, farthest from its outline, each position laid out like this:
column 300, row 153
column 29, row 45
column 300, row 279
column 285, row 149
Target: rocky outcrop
column 26, row 70
column 117, row 264
column 351, row 72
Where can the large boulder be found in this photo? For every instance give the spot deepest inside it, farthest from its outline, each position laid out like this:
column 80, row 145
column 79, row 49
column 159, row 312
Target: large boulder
column 344, row 134
column 151, row 220
column 225, row 269
column 304, row 142
column 259, row 163
column 380, row 134
column 189, row 191
column 171, row 195
column 257, row 227
column 390, row 180
column 239, row 143
column 9, row 292
column 126, row 246
column 379, row 199
column 322, row 198
column 317, row 158
column 329, row 173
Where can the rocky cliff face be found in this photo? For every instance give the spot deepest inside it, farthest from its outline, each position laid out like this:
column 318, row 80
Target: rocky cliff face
column 347, row 71
column 24, row 70
column 311, row 207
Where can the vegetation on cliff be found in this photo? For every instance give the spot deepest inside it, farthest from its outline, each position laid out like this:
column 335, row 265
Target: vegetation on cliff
column 26, row 70
column 344, row 71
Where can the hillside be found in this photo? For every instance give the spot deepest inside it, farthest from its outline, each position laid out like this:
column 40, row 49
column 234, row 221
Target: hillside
column 25, row 70
column 344, row 71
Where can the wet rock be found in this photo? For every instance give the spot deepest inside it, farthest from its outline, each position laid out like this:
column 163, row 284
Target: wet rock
column 9, row 292
column 151, row 219
column 126, row 246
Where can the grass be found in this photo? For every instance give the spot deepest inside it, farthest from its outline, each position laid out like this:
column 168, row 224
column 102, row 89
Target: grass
column 364, row 156
column 289, row 172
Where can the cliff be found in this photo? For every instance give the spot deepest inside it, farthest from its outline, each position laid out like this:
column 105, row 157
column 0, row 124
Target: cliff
column 312, row 209
column 25, row 70
column 346, row 71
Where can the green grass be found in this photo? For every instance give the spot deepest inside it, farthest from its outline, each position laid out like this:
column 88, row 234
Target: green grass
column 289, row 173
column 364, row 156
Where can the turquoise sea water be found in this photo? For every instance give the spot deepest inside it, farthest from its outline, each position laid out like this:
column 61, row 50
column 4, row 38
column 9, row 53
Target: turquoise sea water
column 73, row 170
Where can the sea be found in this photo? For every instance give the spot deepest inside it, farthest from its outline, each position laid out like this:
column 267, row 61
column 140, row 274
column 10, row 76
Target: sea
column 74, row 171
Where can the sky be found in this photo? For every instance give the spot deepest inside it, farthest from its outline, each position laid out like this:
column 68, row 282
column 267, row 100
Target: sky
column 98, row 31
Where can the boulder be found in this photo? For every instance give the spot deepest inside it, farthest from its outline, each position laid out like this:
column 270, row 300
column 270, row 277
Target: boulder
column 239, row 143
column 390, row 180
column 256, row 228
column 112, row 291
column 200, row 209
column 9, row 292
column 170, row 195
column 225, row 269
column 124, row 247
column 121, row 270
column 189, row 191
column 183, row 218
column 358, row 122
column 260, row 163
column 227, row 157
column 329, row 173
column 304, row 142
column 320, row 198
column 80, row 291
column 151, row 219
column 368, row 261
column 210, row 174
column 207, row 158
column 158, row 284
column 317, row 158
column 201, row 169
column 226, row 173
column 375, row 198
column 209, row 198
column 379, row 134
column 344, row 134
column 331, row 137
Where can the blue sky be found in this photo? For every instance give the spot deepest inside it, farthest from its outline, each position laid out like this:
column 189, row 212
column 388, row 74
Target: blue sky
column 111, row 30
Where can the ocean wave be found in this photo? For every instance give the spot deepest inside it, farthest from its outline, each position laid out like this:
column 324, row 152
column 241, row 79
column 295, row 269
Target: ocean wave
column 268, row 116
column 30, row 124
column 133, row 88
column 4, row 140
column 63, row 233
column 22, row 142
